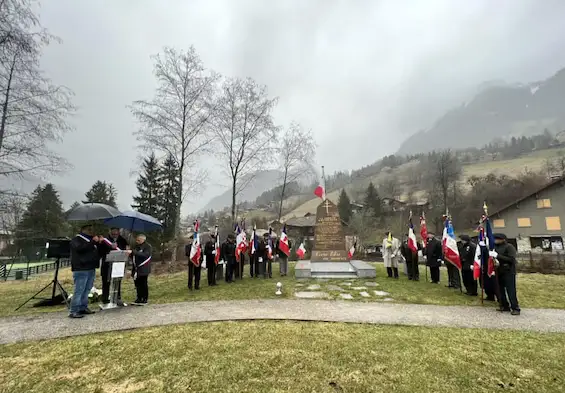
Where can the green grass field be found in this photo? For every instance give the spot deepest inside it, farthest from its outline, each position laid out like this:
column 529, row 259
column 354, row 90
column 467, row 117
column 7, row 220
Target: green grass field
column 534, row 290
column 15, row 266
column 253, row 357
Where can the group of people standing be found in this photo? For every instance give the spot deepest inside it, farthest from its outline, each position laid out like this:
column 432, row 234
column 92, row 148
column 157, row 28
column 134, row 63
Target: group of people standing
column 499, row 284
column 233, row 260
column 89, row 252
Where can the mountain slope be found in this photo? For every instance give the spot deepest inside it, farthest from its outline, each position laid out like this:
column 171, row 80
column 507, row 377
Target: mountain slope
column 498, row 110
column 263, row 181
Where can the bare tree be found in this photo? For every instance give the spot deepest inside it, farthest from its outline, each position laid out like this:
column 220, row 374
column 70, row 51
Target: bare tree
column 296, row 157
column 176, row 121
column 245, row 131
column 444, row 173
column 33, row 111
column 389, row 187
column 12, row 207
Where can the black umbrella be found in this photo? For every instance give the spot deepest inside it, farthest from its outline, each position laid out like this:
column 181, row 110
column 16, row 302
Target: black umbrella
column 92, row 212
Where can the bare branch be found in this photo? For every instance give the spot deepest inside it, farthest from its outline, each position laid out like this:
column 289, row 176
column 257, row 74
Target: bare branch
column 245, row 131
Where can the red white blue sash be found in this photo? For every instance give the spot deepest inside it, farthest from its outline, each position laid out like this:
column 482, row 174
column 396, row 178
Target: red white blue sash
column 108, row 242
column 144, row 262
column 84, row 238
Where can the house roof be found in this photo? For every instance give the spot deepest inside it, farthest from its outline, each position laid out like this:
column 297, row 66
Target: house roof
column 308, row 221
column 547, row 186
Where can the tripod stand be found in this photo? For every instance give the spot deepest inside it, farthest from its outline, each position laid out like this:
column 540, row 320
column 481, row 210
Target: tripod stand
column 54, row 299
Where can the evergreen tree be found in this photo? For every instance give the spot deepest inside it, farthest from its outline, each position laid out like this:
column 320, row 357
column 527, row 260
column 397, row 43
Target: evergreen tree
column 101, row 192
column 42, row 220
column 344, row 206
column 373, row 202
column 148, row 188
column 169, row 180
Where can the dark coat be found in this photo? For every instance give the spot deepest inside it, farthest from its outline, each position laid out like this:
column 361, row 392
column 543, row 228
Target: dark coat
column 506, row 257
column 141, row 253
column 84, row 254
column 407, row 253
column 228, row 252
column 104, row 248
column 433, row 253
column 209, row 248
column 467, row 255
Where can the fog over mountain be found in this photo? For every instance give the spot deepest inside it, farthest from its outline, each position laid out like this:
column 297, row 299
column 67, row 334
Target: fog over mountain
column 364, row 76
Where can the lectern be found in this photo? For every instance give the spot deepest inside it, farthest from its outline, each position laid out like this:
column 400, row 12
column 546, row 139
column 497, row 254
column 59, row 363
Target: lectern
column 117, row 260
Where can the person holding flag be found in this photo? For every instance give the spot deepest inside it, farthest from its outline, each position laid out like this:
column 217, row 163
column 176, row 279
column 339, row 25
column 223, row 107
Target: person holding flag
column 433, row 253
column 228, row 254
column 504, row 256
column 467, row 253
column 485, row 263
column 451, row 254
column 411, row 252
column 391, row 252
column 194, row 258
column 283, row 248
column 210, row 254
column 268, row 254
column 254, row 257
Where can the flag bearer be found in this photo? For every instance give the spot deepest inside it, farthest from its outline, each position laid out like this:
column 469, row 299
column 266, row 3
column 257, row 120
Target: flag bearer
column 467, row 255
column 141, row 258
column 504, row 255
column 391, row 253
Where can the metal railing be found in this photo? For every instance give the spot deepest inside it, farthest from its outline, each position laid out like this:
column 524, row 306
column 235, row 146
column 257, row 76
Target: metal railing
column 7, row 272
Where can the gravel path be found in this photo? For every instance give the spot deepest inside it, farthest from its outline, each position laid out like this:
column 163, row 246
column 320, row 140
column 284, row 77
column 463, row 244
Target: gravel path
column 55, row 325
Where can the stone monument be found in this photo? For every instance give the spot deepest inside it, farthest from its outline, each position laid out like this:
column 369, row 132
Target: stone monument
column 329, row 256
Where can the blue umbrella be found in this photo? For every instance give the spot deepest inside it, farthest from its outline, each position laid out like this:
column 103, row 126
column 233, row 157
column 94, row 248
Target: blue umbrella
column 134, row 222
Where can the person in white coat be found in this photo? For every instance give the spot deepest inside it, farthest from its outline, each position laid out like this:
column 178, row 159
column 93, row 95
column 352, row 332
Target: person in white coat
column 391, row 254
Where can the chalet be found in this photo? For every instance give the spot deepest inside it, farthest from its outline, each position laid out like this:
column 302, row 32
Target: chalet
column 395, row 205
column 534, row 222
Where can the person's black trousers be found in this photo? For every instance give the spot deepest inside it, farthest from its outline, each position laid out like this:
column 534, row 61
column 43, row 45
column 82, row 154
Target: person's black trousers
column 469, row 282
column 211, row 267
column 258, row 267
column 453, row 276
column 507, row 285
column 392, row 272
column 434, row 274
column 251, row 266
column 231, row 266
column 105, row 274
column 194, row 271
column 413, row 270
column 142, row 288
column 267, row 268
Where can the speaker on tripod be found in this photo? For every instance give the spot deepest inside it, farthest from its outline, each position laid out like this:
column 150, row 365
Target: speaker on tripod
column 59, row 249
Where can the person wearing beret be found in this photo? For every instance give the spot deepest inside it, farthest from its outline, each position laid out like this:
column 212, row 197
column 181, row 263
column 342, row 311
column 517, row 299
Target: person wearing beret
column 467, row 254
column 504, row 255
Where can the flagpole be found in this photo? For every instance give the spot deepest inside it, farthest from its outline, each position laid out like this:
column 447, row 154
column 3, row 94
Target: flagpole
column 482, row 279
column 324, row 181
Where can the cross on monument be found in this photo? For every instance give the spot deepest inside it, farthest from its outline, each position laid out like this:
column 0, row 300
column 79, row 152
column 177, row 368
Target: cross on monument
column 327, row 206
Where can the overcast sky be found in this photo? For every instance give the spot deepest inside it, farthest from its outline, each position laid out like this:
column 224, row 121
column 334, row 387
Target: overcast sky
column 361, row 74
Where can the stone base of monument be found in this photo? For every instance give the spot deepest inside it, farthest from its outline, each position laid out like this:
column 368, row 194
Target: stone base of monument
column 350, row 269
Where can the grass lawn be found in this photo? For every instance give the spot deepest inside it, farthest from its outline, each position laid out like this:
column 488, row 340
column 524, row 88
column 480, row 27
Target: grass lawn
column 288, row 357
column 534, row 290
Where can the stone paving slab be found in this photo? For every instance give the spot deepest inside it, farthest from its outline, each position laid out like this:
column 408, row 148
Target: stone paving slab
column 56, row 325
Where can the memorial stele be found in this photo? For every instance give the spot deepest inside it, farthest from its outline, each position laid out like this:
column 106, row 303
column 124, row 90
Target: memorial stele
column 329, row 239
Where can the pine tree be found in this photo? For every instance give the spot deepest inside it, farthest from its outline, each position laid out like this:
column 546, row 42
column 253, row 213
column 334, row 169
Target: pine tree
column 101, row 192
column 344, row 206
column 148, row 188
column 373, row 202
column 169, row 180
column 42, row 220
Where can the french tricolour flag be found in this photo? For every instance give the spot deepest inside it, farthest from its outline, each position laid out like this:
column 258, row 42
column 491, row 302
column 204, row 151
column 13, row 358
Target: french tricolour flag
column 412, row 242
column 254, row 241
column 241, row 241
column 217, row 247
column 449, row 245
column 270, row 245
column 283, row 242
column 351, row 251
column 195, row 249
column 301, row 251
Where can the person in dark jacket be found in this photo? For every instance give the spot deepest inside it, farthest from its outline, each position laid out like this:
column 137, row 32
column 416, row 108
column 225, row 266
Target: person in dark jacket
column 228, row 255
column 85, row 258
column 114, row 241
column 504, row 255
column 411, row 259
column 283, row 258
column 467, row 254
column 194, row 271
column 141, row 261
column 210, row 255
column 453, row 275
column 434, row 257
column 267, row 260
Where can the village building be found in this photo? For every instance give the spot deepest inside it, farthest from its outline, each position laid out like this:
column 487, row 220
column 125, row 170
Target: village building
column 534, row 222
